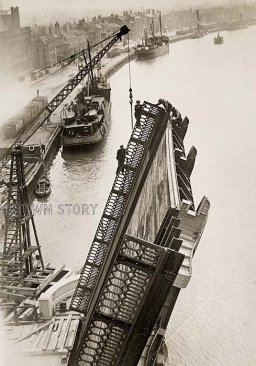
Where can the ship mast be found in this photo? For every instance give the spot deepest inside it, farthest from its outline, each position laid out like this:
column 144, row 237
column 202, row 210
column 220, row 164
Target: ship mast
column 198, row 20
column 153, row 31
column 91, row 69
column 160, row 24
column 145, row 36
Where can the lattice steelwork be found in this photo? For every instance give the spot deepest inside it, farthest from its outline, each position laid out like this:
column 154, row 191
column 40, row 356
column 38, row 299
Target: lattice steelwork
column 20, row 258
column 118, row 198
column 134, row 277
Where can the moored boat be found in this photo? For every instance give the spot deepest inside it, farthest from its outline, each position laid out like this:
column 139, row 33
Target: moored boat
column 153, row 46
column 199, row 31
column 86, row 120
column 219, row 39
column 43, row 187
column 197, row 34
column 151, row 49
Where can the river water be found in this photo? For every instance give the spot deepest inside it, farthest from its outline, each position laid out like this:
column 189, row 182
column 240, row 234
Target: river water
column 214, row 320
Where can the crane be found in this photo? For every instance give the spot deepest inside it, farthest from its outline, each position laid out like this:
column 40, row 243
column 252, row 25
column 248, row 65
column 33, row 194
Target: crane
column 63, row 94
column 20, row 258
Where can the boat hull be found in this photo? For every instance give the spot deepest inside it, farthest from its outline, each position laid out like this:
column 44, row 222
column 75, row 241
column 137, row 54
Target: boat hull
column 88, row 140
column 218, row 41
column 152, row 53
column 92, row 139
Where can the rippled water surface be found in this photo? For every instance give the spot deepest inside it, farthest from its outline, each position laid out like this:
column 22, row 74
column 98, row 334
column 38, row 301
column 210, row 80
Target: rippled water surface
column 214, row 321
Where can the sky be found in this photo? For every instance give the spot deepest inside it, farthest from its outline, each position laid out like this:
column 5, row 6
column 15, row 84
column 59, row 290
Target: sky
column 113, row 4
column 46, row 11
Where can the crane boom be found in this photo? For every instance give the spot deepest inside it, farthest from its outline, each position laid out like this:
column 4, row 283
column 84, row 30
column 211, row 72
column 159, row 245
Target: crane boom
column 58, row 99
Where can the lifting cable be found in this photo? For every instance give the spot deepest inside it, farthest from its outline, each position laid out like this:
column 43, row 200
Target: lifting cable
column 130, row 82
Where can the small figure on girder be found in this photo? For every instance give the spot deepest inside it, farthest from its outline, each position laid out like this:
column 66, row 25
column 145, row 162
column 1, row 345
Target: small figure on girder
column 176, row 118
column 43, row 148
column 137, row 111
column 166, row 104
column 120, row 156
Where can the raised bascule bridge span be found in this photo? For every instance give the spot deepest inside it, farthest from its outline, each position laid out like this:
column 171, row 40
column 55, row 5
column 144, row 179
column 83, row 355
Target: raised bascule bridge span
column 140, row 258
column 142, row 252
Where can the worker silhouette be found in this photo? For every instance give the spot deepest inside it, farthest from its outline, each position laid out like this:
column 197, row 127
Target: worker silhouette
column 120, row 156
column 137, row 111
column 166, row 104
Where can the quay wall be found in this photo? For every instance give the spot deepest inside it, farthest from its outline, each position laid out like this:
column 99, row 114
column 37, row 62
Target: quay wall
column 117, row 65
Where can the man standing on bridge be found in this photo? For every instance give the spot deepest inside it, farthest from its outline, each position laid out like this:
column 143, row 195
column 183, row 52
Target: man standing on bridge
column 166, row 104
column 120, row 156
column 137, row 112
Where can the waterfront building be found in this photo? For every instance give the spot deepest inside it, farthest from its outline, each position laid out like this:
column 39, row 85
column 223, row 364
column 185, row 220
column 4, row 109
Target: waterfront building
column 49, row 46
column 44, row 50
column 15, row 44
column 76, row 40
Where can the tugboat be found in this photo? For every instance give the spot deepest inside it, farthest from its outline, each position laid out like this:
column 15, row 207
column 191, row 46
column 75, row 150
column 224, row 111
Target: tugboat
column 152, row 46
column 43, row 187
column 219, row 39
column 86, row 120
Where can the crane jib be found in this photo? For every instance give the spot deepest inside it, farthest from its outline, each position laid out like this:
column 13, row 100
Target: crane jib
column 56, row 101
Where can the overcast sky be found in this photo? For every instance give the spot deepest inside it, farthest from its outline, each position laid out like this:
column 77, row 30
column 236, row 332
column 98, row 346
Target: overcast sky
column 111, row 4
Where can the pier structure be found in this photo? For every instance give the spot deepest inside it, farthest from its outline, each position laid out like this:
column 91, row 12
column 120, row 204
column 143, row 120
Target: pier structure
column 20, row 258
column 23, row 272
column 31, row 292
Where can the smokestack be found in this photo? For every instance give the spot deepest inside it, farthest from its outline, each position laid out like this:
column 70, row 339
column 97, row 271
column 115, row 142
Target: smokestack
column 57, row 27
column 15, row 17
